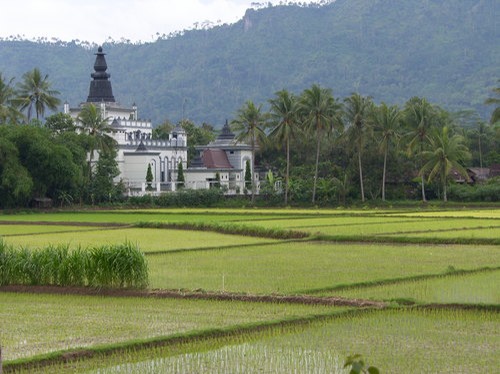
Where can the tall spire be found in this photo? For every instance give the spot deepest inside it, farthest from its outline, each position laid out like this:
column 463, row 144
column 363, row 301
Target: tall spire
column 100, row 87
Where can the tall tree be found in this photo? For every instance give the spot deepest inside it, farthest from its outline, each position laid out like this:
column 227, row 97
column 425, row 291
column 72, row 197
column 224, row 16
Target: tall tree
column 387, row 124
column 35, row 93
column 447, row 153
column 249, row 126
column 320, row 113
column 8, row 110
column 495, row 115
column 420, row 117
column 285, row 125
column 357, row 112
column 98, row 128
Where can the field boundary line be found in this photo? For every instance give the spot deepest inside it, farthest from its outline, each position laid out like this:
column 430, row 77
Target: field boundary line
column 437, row 230
column 400, row 239
column 215, row 248
column 399, row 280
column 65, row 223
column 196, row 295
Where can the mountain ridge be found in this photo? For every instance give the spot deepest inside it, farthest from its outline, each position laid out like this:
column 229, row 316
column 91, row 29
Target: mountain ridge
column 447, row 52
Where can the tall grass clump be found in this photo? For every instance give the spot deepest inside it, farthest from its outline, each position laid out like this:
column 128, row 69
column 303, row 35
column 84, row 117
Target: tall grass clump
column 118, row 265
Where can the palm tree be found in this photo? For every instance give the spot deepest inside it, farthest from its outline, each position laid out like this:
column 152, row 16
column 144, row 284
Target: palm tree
column 446, row 153
column 321, row 114
column 495, row 116
column 98, row 128
column 248, row 124
column 8, row 110
column 35, row 92
column 357, row 112
column 420, row 116
column 387, row 123
column 283, row 119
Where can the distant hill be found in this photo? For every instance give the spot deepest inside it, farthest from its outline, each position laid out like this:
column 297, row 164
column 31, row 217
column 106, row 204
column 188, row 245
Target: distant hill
column 447, row 51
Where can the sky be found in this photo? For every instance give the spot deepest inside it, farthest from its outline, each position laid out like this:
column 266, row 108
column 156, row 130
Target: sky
column 97, row 20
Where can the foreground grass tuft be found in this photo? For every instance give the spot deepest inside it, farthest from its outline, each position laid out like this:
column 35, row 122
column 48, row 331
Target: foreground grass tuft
column 118, row 265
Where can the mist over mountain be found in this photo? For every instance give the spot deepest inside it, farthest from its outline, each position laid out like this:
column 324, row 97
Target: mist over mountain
column 447, row 51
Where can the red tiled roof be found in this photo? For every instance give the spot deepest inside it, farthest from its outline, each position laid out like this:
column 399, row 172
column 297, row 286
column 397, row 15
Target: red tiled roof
column 215, row 159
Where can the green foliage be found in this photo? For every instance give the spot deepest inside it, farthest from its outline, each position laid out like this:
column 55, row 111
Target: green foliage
column 357, row 365
column 34, row 163
column 181, row 198
column 488, row 192
column 34, row 93
column 197, row 136
column 60, row 122
column 118, row 265
column 248, row 175
column 180, row 176
column 102, row 186
column 149, row 175
column 8, row 109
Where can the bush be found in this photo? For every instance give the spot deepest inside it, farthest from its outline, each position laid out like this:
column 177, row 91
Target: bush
column 487, row 192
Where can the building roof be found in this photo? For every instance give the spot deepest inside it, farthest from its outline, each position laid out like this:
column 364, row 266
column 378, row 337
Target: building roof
column 494, row 170
column 215, row 159
column 100, row 87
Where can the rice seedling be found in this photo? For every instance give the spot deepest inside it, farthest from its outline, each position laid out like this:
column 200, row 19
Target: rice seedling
column 302, row 267
column 477, row 288
column 9, row 230
column 148, row 239
column 34, row 324
column 395, row 341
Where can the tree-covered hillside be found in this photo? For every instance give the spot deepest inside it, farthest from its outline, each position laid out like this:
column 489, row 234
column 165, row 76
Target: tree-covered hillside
column 446, row 51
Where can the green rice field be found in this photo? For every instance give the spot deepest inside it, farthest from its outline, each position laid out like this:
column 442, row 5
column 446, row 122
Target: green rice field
column 433, row 284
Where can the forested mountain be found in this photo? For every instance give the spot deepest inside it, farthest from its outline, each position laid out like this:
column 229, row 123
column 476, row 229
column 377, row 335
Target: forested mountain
column 447, row 51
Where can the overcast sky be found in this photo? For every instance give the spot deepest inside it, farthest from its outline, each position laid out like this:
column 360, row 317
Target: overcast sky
column 96, row 20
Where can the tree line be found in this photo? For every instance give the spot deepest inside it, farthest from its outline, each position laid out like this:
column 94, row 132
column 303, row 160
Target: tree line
column 326, row 150
column 52, row 157
column 336, row 149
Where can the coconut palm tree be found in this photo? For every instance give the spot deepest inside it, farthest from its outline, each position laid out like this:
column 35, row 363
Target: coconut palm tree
column 91, row 122
column 8, row 110
column 387, row 124
column 284, row 122
column 495, row 116
column 357, row 111
column 320, row 113
column 447, row 153
column 420, row 117
column 34, row 93
column 249, row 126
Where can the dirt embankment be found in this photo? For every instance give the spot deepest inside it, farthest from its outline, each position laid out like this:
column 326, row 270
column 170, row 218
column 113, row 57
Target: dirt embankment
column 181, row 294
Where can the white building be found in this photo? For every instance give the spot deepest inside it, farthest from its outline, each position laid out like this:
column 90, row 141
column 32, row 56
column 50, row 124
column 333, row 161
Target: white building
column 224, row 157
column 136, row 147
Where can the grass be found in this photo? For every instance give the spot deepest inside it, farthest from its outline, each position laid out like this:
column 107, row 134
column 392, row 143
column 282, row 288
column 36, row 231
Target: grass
column 115, row 265
column 301, row 267
column 80, row 321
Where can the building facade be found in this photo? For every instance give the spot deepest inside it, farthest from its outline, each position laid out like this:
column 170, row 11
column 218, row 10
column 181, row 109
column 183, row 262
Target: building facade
column 134, row 137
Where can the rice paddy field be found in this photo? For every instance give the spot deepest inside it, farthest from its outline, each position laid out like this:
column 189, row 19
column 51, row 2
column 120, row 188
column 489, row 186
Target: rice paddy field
column 230, row 291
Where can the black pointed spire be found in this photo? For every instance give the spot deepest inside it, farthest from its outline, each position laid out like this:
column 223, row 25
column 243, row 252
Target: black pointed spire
column 100, row 87
column 226, row 133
